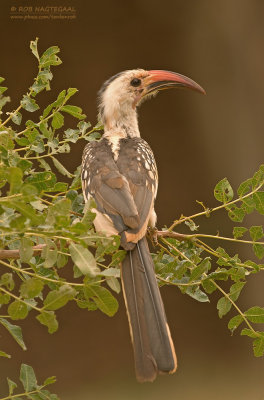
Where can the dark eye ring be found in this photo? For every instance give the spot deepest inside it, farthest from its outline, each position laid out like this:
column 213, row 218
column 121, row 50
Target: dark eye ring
column 135, row 82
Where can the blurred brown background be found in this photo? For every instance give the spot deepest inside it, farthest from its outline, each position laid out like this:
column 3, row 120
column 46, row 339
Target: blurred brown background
column 197, row 141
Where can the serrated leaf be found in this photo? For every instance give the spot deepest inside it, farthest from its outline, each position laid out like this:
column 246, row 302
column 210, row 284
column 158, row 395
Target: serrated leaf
column 258, row 346
column 48, row 318
column 235, row 322
column 104, row 300
column 58, row 298
column 238, row 231
column 259, row 202
column 28, row 377
column 11, row 386
column 61, row 168
column 29, row 104
column 255, row 314
column 25, row 250
column 15, row 331
column 256, row 232
column 57, row 120
column 223, row 191
column 84, row 259
column 31, row 288
column 17, row 310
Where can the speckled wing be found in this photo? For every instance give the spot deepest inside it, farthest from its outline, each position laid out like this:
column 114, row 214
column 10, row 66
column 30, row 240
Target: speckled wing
column 124, row 189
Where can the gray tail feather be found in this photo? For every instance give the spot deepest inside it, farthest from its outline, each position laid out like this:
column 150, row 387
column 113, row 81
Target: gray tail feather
column 153, row 347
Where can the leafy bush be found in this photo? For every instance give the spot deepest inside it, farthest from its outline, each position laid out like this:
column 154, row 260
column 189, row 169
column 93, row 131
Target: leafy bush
column 44, row 225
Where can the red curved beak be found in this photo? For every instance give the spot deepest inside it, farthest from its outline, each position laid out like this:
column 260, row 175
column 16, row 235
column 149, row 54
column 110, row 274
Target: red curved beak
column 159, row 80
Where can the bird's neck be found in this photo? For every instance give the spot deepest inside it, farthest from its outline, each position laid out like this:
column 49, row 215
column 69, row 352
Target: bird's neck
column 121, row 121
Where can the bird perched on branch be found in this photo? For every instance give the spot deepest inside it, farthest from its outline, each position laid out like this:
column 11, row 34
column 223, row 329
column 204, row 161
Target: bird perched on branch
column 119, row 172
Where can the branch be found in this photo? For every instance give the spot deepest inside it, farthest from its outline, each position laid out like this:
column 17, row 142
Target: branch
column 4, row 254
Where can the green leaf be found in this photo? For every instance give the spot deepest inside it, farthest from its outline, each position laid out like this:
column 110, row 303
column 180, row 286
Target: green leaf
column 58, row 298
column 11, row 385
column 29, row 104
column 104, row 300
column 17, row 118
column 198, row 271
column 15, row 331
column 50, row 380
column 17, row 310
column 235, row 213
column 256, row 232
column 48, row 318
column 34, row 47
column 235, row 290
column 57, row 120
column 248, row 204
column 74, row 111
column 4, row 354
column 15, row 179
column 258, row 346
column 244, row 187
column 258, row 250
column 115, row 272
column 42, row 180
column 28, row 378
column 235, row 322
column 238, row 231
column 258, row 177
column 7, row 280
column 49, row 253
column 27, row 210
column 223, row 306
column 255, row 314
column 84, row 259
column 223, row 191
column 31, row 288
column 249, row 333
column 118, row 257
column 49, row 57
column 197, row 294
column 61, row 168
column 113, row 283
column 259, row 201
column 25, row 250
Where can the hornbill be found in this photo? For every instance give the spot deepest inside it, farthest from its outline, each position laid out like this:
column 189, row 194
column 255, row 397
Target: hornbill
column 119, row 172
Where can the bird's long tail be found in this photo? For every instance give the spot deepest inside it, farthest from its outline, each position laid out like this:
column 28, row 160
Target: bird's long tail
column 153, row 347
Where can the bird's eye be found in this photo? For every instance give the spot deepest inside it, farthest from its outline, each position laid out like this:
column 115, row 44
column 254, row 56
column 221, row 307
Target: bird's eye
column 135, row 82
